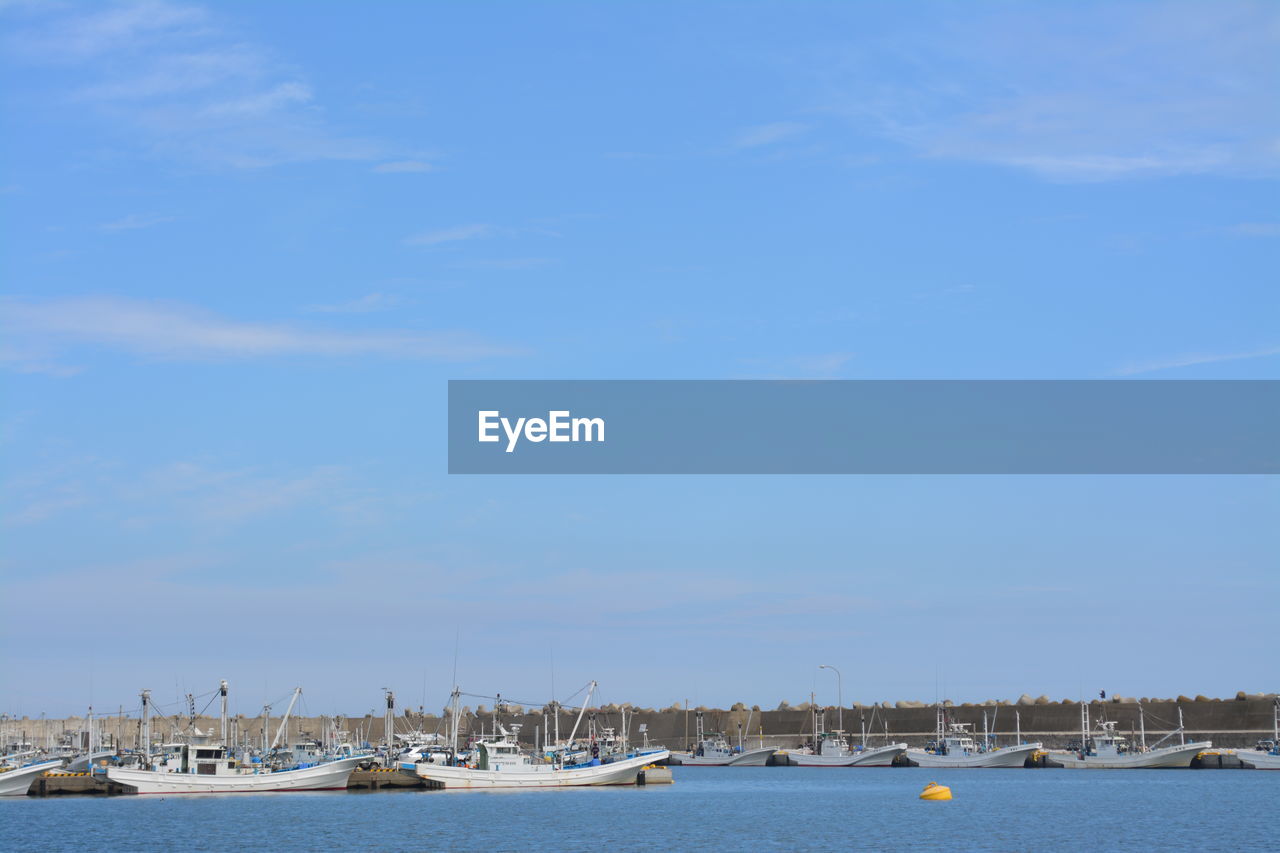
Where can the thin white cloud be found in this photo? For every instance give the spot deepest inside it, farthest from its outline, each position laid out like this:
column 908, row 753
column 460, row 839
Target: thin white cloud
column 403, row 167
column 81, row 36
column 182, row 332
column 366, row 304
column 134, row 222
column 768, row 134
column 1077, row 92
column 449, row 235
column 1257, row 229
column 173, row 81
column 1192, row 359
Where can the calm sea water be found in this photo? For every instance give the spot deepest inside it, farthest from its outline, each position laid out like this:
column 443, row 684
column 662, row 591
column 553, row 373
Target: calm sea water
column 758, row 808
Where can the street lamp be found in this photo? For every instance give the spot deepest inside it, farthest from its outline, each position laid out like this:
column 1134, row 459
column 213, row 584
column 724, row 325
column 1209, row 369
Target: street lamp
column 839, row 694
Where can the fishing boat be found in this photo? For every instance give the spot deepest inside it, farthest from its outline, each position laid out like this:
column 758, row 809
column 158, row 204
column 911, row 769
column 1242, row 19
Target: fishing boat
column 498, row 760
column 714, row 750
column 1106, row 749
column 957, row 746
column 208, row 769
column 16, row 778
column 831, row 749
column 199, row 767
column 1266, row 755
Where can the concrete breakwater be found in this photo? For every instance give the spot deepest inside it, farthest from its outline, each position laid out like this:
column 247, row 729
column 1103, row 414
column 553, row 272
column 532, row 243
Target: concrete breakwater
column 1229, row 723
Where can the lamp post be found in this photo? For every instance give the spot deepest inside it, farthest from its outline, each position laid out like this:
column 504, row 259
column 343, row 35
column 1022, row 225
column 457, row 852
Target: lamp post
column 839, row 694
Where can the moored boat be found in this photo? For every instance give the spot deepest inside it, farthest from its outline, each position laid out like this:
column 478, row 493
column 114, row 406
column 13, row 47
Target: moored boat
column 212, row 771
column 1107, row 749
column 1266, row 755
column 499, row 761
column 15, row 779
column 957, row 746
column 714, row 750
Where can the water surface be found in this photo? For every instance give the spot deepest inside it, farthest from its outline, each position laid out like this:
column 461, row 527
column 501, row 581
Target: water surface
column 725, row 808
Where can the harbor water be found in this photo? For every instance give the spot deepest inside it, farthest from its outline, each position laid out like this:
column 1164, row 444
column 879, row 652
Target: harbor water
column 759, row 808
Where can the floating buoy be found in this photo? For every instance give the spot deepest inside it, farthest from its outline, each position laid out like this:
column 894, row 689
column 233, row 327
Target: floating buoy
column 934, row 791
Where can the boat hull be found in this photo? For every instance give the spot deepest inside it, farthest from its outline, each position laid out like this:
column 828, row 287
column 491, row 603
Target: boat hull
column 749, row 758
column 1259, row 760
column 802, row 759
column 1165, row 757
column 14, row 783
column 879, row 756
column 332, row 775
column 1005, row 756
column 615, row 773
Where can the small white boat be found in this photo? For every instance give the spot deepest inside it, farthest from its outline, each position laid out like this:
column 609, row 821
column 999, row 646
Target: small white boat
column 502, row 764
column 498, row 761
column 1260, row 760
column 877, row 756
column 1266, row 756
column 957, row 746
column 832, row 750
column 714, row 750
column 1107, row 749
column 15, row 780
column 199, row 767
column 207, row 769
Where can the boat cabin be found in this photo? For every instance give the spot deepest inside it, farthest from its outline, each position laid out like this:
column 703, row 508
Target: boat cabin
column 1107, row 742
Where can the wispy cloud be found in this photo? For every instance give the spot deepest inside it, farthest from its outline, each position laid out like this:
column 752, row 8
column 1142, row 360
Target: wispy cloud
column 768, row 134
column 1192, row 359
column 179, row 83
column 403, row 167
column 1078, row 93
column 504, row 263
column 366, row 304
column 134, row 222
column 449, row 235
column 182, row 332
column 1257, row 229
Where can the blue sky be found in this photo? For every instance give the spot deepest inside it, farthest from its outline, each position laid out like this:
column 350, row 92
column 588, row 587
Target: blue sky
column 248, row 244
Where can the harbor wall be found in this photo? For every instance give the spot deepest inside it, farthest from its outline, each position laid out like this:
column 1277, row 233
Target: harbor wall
column 1229, row 723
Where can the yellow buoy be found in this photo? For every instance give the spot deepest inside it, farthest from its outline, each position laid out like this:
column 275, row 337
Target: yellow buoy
column 934, row 791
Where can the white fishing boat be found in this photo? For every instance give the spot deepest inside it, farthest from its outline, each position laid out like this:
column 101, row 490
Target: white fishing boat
column 831, row 749
column 714, row 750
column 877, row 756
column 502, row 764
column 1260, row 760
column 16, row 779
column 498, row 761
column 1107, row 749
column 957, row 746
column 1266, row 755
column 208, row 768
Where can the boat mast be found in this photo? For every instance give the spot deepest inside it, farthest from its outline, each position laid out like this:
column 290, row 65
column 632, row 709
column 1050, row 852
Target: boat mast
column 222, row 689
column 146, row 729
column 1084, row 727
column 453, row 721
column 389, row 720
column 1142, row 727
column 1017, row 724
column 1182, row 733
column 284, row 721
column 583, row 710
column 986, row 732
